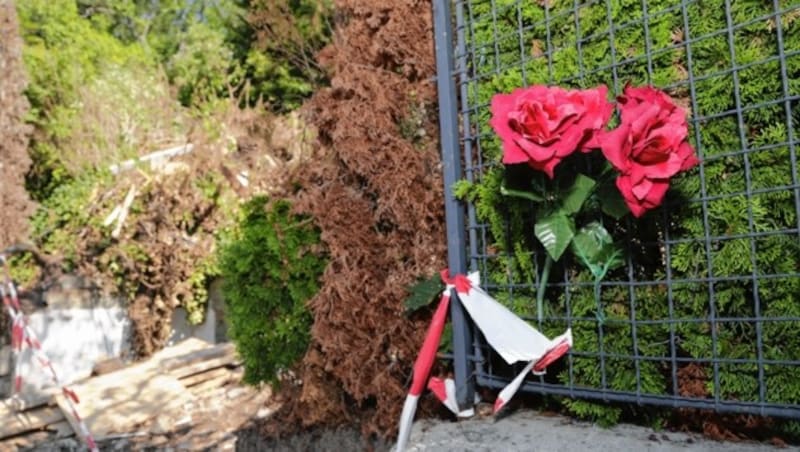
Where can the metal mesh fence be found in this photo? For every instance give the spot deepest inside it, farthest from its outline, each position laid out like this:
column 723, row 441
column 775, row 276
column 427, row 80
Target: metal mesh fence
column 705, row 312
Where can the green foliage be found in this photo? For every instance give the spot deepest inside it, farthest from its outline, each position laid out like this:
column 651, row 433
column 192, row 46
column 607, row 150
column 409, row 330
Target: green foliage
column 572, row 47
column 100, row 71
column 604, row 416
column 199, row 281
column 65, row 212
column 202, row 65
column 62, row 53
column 200, row 44
column 270, row 269
column 555, row 231
column 23, row 269
column 595, row 248
column 281, row 68
column 423, row 292
column 163, row 26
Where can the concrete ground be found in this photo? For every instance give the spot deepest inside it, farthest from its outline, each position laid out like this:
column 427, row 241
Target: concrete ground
column 531, row 432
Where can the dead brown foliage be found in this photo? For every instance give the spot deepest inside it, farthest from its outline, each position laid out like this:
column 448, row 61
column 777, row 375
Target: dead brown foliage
column 14, row 133
column 692, row 382
column 377, row 197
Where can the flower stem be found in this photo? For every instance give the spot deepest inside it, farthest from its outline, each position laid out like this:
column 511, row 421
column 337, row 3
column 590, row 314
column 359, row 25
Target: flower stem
column 548, row 264
column 599, row 314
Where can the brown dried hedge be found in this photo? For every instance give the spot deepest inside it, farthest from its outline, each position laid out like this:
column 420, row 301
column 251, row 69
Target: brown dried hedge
column 375, row 189
column 14, row 133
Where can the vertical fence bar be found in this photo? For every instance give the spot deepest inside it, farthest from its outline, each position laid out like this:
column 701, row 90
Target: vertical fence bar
column 468, row 152
column 454, row 215
column 748, row 192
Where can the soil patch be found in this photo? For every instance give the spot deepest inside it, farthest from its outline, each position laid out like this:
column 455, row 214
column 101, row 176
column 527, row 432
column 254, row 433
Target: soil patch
column 317, row 440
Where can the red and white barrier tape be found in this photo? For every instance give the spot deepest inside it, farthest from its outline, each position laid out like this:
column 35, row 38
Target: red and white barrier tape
column 22, row 335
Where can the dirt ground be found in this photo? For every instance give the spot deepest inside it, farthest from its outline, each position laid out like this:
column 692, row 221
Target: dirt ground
column 318, row 440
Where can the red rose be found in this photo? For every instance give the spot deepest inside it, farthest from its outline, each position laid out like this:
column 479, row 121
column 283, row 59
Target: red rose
column 648, row 147
column 542, row 125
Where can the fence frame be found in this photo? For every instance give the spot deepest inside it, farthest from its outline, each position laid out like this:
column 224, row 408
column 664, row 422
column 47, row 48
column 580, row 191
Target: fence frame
column 469, row 361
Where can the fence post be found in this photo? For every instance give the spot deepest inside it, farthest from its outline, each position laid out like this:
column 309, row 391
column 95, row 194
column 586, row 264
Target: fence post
column 454, row 214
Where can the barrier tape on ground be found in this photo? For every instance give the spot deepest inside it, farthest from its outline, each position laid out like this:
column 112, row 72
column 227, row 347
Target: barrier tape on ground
column 22, row 335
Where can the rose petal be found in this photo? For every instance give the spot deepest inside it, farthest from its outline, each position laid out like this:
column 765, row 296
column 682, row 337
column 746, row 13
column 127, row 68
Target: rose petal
column 569, row 142
column 644, row 197
column 512, row 154
column 641, row 190
column 535, row 151
column 549, row 167
column 658, row 189
column 666, row 169
column 501, row 106
column 615, row 146
column 566, row 113
column 598, row 112
column 690, row 160
column 644, row 118
column 590, row 141
column 624, row 187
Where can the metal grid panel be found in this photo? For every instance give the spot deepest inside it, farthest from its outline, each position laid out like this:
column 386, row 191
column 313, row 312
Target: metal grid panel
column 561, row 42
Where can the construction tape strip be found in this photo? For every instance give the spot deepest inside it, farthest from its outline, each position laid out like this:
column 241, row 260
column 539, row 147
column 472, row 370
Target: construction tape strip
column 22, row 334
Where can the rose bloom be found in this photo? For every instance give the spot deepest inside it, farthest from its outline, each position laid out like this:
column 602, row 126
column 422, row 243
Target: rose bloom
column 542, row 125
column 648, row 147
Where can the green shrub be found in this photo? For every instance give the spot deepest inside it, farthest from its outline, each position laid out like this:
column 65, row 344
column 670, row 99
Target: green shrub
column 85, row 92
column 581, row 55
column 270, row 268
column 281, row 66
column 211, row 48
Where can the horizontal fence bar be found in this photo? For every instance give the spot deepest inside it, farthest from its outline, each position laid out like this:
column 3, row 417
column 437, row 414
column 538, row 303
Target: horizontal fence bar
column 675, row 282
column 668, row 401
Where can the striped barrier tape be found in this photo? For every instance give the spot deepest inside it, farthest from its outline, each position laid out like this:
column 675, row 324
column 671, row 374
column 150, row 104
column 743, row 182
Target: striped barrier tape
column 509, row 335
column 21, row 336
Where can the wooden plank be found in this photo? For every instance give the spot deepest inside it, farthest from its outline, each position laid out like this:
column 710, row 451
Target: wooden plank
column 204, row 366
column 51, row 432
column 201, row 389
column 198, row 378
column 26, row 421
column 28, row 441
column 25, row 402
column 60, row 429
column 235, row 376
column 182, row 348
column 207, row 354
column 116, row 401
column 120, row 401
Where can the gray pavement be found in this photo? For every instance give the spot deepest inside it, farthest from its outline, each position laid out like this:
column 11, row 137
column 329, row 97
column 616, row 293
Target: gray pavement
column 530, row 431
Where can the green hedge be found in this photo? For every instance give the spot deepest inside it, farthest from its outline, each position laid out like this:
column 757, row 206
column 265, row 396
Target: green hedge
column 270, row 269
column 581, row 56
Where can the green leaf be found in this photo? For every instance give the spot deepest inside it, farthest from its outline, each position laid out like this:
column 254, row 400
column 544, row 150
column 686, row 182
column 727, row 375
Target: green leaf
column 595, row 247
column 520, row 194
column 555, row 231
column 573, row 198
column 423, row 292
column 463, row 189
column 611, row 201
